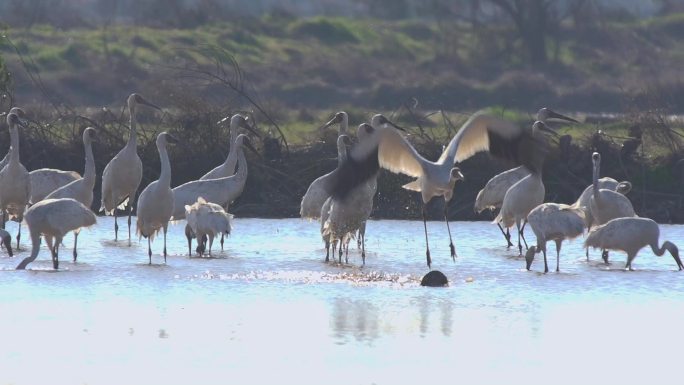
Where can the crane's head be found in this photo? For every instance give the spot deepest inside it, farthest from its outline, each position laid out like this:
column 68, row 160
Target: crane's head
column 7, row 241
column 596, row 157
column 242, row 121
column 540, row 126
column 13, row 120
column 456, row 174
column 529, row 256
column 546, row 113
column 165, row 138
column 244, row 141
column 338, row 118
column 136, row 99
column 344, row 140
column 364, row 131
column 89, row 135
column 380, row 120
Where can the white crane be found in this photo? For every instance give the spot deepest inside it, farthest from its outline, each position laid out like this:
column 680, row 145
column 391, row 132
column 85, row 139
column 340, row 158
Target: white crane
column 554, row 222
column 22, row 115
column 53, row 218
column 155, row 205
column 631, row 234
column 46, row 180
column 15, row 187
column 227, row 168
column 207, row 219
column 6, row 241
column 492, row 194
column 82, row 188
column 222, row 191
column 388, row 149
column 122, row 175
column 316, row 195
column 607, row 183
column 607, row 204
column 341, row 219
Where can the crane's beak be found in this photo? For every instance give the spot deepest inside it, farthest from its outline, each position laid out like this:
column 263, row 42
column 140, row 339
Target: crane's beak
column 336, row 119
column 555, row 115
column 244, row 124
column 543, row 127
column 144, row 101
column 395, row 125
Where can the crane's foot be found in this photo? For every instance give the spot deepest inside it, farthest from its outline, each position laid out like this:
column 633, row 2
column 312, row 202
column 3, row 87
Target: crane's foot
column 429, row 260
column 453, row 251
column 75, row 255
column 604, row 256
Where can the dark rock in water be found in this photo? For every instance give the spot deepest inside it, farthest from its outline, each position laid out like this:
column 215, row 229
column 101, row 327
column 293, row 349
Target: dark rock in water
column 435, row 278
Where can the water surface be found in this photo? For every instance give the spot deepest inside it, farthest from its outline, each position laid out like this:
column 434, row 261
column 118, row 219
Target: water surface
column 269, row 310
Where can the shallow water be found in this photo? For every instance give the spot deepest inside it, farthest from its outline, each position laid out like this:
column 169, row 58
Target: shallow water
column 269, row 310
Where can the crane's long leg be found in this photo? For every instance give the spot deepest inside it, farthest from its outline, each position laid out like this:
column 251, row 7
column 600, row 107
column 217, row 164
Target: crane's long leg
column 522, row 234
column 546, row 266
column 55, row 264
column 363, row 246
column 506, row 234
column 604, row 255
column 517, row 225
column 164, row 244
column 427, row 244
column 149, row 249
column 558, row 249
column 130, row 212
column 446, row 219
column 211, row 242
column 116, row 227
column 18, row 235
column 339, row 252
column 222, row 235
column 75, row 244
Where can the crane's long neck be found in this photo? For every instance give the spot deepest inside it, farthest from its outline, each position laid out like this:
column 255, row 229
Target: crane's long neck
column 14, row 149
column 35, row 248
column 344, row 125
column 89, row 171
column 133, row 131
column 232, row 158
column 341, row 152
column 165, row 176
column 597, row 167
column 667, row 245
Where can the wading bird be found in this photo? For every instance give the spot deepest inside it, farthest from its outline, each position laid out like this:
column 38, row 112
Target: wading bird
column 15, row 186
column 53, row 218
column 122, row 175
column 492, row 194
column 554, row 222
column 316, row 195
column 525, row 194
column 607, row 204
column 222, row 191
column 341, row 219
column 207, row 219
column 342, row 142
column 22, row 115
column 227, row 168
column 155, row 205
column 388, row 149
column 82, row 188
column 631, row 234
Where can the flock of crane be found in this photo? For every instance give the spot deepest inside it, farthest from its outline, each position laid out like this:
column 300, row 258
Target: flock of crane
column 54, row 202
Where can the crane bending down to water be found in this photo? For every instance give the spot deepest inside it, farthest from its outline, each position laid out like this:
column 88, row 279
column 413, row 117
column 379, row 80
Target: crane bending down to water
column 155, row 205
column 15, row 185
column 388, row 149
column 122, row 175
column 222, row 191
column 82, row 188
column 207, row 219
column 631, row 234
column 492, row 194
column 53, row 218
column 316, row 195
column 554, row 222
